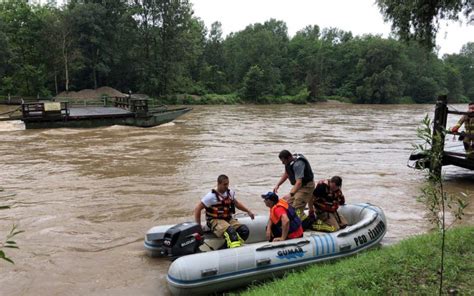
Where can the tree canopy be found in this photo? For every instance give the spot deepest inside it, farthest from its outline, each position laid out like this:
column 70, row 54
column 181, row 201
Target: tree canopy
column 419, row 19
column 160, row 48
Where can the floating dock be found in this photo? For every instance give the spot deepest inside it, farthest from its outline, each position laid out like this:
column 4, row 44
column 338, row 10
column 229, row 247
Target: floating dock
column 126, row 111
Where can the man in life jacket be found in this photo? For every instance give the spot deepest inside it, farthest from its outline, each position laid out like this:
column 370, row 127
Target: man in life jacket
column 220, row 204
column 283, row 222
column 299, row 172
column 468, row 137
column 327, row 199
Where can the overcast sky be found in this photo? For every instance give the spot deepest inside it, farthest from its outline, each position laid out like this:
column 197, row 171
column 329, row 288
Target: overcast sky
column 358, row 16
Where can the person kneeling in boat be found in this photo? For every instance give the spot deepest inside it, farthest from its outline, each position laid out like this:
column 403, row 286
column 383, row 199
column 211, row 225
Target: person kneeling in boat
column 220, row 204
column 283, row 222
column 327, row 199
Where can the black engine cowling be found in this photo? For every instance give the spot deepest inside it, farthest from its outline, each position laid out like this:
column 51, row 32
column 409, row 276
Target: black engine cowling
column 183, row 239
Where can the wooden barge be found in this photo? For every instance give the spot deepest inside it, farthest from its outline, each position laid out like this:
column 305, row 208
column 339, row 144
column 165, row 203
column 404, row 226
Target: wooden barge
column 125, row 111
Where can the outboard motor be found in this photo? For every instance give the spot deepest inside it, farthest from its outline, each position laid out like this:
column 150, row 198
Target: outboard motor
column 182, row 239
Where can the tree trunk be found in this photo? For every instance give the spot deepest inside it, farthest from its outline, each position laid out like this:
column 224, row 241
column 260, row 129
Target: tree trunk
column 56, row 80
column 94, row 68
column 66, row 68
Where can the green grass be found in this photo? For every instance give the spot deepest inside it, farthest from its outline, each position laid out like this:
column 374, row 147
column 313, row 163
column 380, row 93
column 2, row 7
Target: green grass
column 407, row 268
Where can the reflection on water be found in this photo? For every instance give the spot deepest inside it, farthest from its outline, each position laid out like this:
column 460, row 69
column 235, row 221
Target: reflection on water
column 86, row 196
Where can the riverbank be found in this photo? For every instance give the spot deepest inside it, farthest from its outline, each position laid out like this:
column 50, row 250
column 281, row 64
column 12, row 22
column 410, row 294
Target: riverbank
column 409, row 267
column 106, row 95
column 234, row 99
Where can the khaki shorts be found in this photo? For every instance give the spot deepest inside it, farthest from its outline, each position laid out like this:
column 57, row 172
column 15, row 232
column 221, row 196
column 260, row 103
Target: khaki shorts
column 302, row 197
column 219, row 226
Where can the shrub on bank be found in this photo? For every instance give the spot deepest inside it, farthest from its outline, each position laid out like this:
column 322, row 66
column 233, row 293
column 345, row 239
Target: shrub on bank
column 298, row 99
column 406, row 100
column 207, row 99
column 335, row 98
column 229, row 99
column 410, row 267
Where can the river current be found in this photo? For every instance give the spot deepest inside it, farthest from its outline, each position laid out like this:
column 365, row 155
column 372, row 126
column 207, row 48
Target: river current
column 86, row 197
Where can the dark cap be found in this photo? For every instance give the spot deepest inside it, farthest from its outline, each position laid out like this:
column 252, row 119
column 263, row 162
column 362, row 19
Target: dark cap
column 270, row 196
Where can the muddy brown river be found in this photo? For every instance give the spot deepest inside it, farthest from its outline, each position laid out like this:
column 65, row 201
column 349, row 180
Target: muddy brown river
column 86, row 197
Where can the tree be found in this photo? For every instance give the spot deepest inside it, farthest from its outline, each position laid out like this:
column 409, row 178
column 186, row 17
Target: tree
column 175, row 20
column 214, row 50
column 379, row 70
column 254, row 84
column 4, row 51
column 213, row 72
column 89, row 24
column 382, row 87
column 419, row 20
column 463, row 63
column 263, row 45
column 22, row 27
column 425, row 90
column 453, row 83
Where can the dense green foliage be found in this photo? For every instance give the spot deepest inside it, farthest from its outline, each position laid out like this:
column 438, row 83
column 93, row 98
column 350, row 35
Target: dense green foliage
column 408, row 268
column 419, row 20
column 160, row 48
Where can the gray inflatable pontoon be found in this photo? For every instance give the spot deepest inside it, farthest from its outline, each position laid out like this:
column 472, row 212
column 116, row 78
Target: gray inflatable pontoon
column 212, row 270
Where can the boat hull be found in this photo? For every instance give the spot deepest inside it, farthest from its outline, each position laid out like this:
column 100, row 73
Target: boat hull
column 148, row 120
column 227, row 269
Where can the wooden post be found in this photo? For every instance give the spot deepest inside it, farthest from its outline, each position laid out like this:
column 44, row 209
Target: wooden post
column 439, row 128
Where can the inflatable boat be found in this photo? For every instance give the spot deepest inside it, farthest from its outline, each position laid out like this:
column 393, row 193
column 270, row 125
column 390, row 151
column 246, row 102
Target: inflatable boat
column 201, row 266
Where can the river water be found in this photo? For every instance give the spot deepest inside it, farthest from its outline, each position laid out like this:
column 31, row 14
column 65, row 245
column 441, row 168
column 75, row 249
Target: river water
column 86, row 197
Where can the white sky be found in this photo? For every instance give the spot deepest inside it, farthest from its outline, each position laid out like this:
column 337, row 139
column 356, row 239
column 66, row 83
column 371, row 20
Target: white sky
column 358, row 16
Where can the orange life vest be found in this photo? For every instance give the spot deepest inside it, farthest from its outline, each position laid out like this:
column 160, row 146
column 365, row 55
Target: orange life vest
column 222, row 210
column 295, row 222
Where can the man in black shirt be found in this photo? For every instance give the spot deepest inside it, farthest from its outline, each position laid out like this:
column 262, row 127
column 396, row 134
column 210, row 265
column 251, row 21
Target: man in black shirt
column 299, row 172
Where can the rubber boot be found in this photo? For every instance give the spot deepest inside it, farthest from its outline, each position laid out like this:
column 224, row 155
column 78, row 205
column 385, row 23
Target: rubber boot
column 243, row 233
column 232, row 238
column 319, row 225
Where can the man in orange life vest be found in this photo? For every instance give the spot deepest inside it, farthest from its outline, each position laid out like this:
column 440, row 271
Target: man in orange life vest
column 283, row 222
column 220, row 204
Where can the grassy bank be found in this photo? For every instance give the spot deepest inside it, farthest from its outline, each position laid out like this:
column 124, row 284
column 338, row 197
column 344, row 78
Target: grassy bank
column 409, row 267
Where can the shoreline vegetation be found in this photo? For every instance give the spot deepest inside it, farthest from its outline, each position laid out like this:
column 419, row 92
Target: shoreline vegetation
column 234, row 99
column 408, row 267
column 160, row 49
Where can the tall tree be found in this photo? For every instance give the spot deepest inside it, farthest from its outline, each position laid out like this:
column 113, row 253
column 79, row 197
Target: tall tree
column 464, row 63
column 263, row 45
column 214, row 76
column 419, row 20
column 89, row 24
column 22, row 28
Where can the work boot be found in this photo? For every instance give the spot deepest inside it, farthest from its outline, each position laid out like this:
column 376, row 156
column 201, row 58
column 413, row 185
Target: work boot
column 319, row 225
column 232, row 238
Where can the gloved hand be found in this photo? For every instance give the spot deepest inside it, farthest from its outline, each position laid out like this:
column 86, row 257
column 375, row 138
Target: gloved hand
column 454, row 129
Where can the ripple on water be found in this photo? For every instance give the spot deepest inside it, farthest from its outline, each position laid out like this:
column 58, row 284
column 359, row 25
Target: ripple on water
column 86, row 197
